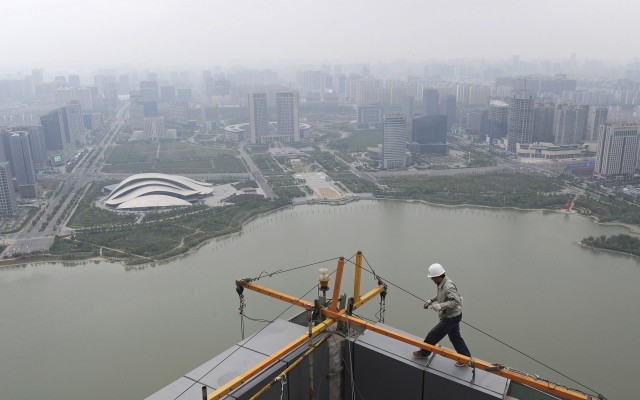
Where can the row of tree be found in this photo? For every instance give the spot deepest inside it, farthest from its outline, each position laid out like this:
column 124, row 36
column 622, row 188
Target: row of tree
column 623, row 243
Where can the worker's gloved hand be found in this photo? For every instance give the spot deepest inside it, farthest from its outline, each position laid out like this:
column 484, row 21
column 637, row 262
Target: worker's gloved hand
column 436, row 306
column 427, row 304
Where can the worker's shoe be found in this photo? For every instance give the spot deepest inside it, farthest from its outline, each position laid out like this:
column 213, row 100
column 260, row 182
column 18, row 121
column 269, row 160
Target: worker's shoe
column 460, row 364
column 420, row 354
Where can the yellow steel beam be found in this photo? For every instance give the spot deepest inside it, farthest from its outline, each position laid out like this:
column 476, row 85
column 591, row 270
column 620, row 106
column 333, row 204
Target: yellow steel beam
column 290, row 367
column 357, row 277
column 514, row 376
column 239, row 380
column 276, row 294
column 336, row 286
column 262, row 365
column 368, row 296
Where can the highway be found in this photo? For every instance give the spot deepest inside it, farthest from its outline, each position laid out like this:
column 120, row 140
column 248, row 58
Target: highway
column 83, row 173
column 257, row 175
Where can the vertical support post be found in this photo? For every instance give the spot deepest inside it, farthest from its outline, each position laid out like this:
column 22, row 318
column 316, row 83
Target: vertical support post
column 358, row 276
column 311, row 389
column 336, row 286
column 204, row 393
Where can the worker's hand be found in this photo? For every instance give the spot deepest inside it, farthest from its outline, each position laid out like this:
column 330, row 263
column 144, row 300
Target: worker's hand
column 427, row 304
column 436, row 306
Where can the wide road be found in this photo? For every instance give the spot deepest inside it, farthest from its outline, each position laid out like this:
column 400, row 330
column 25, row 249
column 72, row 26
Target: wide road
column 84, row 173
column 257, row 175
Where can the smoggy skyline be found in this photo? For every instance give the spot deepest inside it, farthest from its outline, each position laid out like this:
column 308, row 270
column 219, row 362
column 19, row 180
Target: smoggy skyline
column 200, row 33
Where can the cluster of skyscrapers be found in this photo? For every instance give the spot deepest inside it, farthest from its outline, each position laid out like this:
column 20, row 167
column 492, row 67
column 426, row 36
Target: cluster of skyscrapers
column 617, row 156
column 53, row 129
column 287, row 127
column 159, row 112
column 21, row 149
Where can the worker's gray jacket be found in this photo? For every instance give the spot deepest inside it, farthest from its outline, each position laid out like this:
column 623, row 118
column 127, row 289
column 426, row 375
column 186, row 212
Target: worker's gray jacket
column 449, row 299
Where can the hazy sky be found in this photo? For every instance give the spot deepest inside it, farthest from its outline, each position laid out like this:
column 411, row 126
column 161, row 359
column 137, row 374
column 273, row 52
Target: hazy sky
column 203, row 33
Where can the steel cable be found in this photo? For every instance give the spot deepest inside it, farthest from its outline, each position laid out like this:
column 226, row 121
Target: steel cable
column 485, row 333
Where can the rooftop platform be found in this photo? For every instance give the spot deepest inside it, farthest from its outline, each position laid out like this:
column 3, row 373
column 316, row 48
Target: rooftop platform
column 378, row 366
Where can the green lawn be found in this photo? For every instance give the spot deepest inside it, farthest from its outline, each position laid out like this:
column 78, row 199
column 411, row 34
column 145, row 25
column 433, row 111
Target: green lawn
column 358, row 141
column 172, row 157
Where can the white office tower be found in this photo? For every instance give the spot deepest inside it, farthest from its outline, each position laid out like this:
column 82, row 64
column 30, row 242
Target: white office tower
column 520, row 121
column 617, row 153
column 23, row 167
column 258, row 117
column 7, row 195
column 394, row 141
column 287, row 105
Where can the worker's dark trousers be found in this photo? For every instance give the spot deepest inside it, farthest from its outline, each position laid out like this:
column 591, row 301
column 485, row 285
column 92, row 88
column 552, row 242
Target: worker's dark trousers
column 451, row 327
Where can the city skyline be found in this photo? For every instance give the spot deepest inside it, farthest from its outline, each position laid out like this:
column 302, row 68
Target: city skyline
column 202, row 34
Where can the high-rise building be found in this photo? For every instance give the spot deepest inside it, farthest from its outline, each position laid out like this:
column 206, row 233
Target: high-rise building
column 520, row 120
column 407, row 105
column 184, row 94
column 22, row 164
column 5, row 145
column 150, row 109
column 543, row 122
column 368, row 91
column 8, row 205
column 110, row 92
column 311, row 81
column 429, row 134
column 37, row 144
column 597, row 117
column 75, row 124
column 136, row 113
column 431, row 101
column 258, row 117
column 450, row 109
column 149, row 90
column 617, row 154
column 498, row 117
column 394, row 141
column 570, row 124
column 63, row 95
column 56, row 132
column 429, row 129
column 287, row 105
column 154, row 129
column 74, row 81
column 210, row 116
column 63, row 129
column 179, row 112
column 84, row 97
column 92, row 121
column 167, row 94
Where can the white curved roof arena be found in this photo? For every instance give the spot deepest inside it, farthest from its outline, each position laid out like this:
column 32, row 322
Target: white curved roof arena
column 156, row 190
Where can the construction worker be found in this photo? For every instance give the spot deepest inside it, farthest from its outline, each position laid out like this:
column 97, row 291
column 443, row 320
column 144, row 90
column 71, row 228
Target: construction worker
column 448, row 304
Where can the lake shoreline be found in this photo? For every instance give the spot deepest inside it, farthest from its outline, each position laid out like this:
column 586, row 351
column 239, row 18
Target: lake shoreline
column 634, row 229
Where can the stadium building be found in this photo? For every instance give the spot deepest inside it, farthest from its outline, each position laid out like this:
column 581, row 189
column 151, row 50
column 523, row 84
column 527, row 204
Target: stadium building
column 152, row 190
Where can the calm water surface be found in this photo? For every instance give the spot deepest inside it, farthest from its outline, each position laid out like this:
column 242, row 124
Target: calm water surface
column 102, row 331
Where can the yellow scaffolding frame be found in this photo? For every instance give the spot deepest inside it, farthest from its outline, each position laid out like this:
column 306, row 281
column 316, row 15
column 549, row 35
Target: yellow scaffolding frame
column 333, row 314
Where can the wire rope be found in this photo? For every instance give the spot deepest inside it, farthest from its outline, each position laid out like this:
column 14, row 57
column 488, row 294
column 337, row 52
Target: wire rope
column 239, row 347
column 483, row 332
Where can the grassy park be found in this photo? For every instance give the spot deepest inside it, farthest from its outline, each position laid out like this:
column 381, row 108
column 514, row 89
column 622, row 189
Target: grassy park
column 172, row 158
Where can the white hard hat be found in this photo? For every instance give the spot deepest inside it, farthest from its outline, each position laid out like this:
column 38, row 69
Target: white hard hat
column 435, row 270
